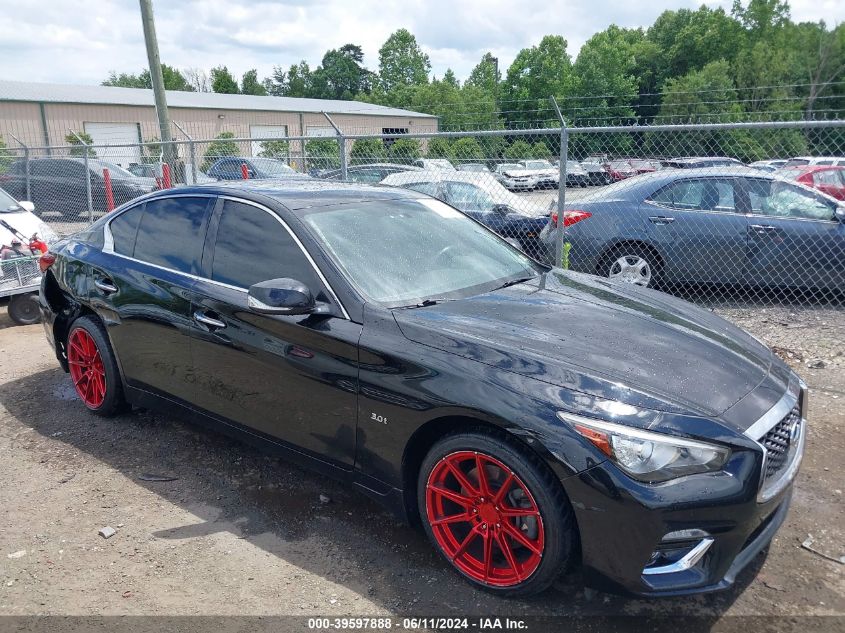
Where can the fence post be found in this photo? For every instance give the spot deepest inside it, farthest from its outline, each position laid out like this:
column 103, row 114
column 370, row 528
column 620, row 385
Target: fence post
column 341, row 146
column 192, row 154
column 561, row 252
column 25, row 165
column 109, row 191
column 87, row 178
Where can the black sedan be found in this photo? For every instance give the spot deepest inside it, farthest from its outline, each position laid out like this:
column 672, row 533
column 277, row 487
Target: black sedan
column 528, row 417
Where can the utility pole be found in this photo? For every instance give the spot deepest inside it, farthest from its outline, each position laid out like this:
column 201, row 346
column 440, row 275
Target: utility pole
column 157, row 81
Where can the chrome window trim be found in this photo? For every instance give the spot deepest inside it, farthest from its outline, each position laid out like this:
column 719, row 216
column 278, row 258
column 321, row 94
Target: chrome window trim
column 108, row 245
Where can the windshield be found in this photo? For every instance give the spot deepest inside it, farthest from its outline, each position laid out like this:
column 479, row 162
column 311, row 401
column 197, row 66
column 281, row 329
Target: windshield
column 273, row 167
column 8, row 204
column 538, row 164
column 98, row 165
column 403, row 252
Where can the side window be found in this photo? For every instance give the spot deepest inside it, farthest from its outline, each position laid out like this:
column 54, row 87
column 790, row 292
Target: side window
column 253, row 246
column 171, row 233
column 124, row 228
column 708, row 194
column 829, row 177
column 429, row 188
column 467, row 197
column 784, row 200
column 366, row 175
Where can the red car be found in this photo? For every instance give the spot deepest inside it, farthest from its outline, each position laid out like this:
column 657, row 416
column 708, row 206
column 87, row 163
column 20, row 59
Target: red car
column 826, row 178
column 627, row 167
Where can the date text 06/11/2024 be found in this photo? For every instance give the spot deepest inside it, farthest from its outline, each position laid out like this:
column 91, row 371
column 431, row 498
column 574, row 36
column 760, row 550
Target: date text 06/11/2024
column 415, row 624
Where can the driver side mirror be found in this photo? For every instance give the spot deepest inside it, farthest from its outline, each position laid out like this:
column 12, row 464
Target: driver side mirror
column 27, row 205
column 840, row 212
column 501, row 209
column 281, row 296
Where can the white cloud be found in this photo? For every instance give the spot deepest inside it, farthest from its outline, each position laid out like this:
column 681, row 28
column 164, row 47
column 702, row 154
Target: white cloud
column 60, row 40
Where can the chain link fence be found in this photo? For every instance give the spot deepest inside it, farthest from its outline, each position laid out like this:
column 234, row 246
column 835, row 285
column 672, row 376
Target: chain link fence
column 723, row 214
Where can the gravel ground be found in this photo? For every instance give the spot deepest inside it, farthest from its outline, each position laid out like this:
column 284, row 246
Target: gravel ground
column 237, row 532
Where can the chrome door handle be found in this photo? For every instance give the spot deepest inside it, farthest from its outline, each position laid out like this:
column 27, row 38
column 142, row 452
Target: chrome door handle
column 762, row 229
column 660, row 219
column 106, row 286
column 201, row 317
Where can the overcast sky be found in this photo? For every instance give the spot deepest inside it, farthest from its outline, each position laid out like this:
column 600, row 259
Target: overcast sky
column 79, row 41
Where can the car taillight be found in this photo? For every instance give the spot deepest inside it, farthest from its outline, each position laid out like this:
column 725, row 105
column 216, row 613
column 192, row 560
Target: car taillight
column 571, row 216
column 45, row 261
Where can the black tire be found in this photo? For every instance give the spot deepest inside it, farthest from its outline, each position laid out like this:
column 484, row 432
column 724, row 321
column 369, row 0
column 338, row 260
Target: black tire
column 556, row 513
column 24, row 310
column 606, row 263
column 114, row 401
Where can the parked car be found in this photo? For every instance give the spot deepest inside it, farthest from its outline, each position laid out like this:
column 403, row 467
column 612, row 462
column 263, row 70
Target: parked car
column 485, row 200
column 699, row 162
column 576, row 174
column 625, row 168
column 145, row 170
column 828, row 179
column 434, row 163
column 596, row 174
column 548, row 176
column 799, row 161
column 768, row 165
column 474, row 167
column 59, row 184
column 372, row 173
column 514, row 178
column 708, row 226
column 231, row 168
column 527, row 418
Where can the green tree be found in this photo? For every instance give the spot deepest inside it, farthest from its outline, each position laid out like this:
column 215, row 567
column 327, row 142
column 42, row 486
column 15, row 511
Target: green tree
column 275, row 149
column 78, row 147
column 761, row 17
column 439, row 147
column 485, row 75
column 540, row 150
column 466, row 150
column 402, row 62
column 250, row 84
column 518, row 150
column 173, row 79
column 295, row 82
column 6, row 157
column 322, row 153
column 222, row 81
column 341, row 75
column 404, row 150
column 367, row 150
column 220, row 147
column 536, row 74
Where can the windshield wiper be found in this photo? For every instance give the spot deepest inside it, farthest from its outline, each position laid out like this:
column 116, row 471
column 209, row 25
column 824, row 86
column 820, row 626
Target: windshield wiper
column 513, row 282
column 427, row 302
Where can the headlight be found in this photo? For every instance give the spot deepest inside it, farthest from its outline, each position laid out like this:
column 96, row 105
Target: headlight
column 646, row 455
column 47, row 234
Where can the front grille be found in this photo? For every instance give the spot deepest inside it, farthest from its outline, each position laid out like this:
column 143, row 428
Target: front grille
column 777, row 442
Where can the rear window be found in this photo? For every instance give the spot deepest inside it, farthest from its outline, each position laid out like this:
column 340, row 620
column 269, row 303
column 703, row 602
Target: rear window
column 124, row 228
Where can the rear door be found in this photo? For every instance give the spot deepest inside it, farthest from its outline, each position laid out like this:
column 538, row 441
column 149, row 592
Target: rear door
column 831, row 182
column 698, row 229
column 141, row 285
column 294, row 378
column 794, row 237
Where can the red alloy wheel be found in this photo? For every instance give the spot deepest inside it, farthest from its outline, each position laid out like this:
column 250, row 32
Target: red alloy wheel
column 86, row 368
column 484, row 518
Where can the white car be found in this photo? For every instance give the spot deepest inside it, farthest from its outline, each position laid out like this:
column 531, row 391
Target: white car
column 435, row 163
column 800, row 161
column 514, row 177
column 547, row 174
column 20, row 217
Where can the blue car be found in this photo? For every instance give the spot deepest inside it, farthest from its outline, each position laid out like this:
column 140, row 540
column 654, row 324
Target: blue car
column 707, row 226
column 231, row 168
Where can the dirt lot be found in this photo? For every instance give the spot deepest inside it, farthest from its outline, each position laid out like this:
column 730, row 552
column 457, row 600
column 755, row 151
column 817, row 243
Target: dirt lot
column 237, row 532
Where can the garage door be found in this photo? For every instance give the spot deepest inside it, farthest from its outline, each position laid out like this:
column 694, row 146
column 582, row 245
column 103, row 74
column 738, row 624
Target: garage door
column 105, row 134
column 260, row 148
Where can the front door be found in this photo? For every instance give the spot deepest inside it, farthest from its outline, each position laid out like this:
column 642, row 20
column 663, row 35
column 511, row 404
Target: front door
column 294, row 378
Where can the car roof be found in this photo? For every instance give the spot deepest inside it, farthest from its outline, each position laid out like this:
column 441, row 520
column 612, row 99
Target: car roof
column 809, row 169
column 305, row 193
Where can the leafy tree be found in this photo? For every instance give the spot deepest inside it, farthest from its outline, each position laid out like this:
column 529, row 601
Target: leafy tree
column 341, row 75
column 485, row 75
column 173, row 80
column 466, row 150
column 518, row 150
column 78, row 148
column 402, row 62
column 404, row 150
column 323, row 153
column 222, row 81
column 250, row 84
column 222, row 146
column 536, row 74
column 6, row 157
column 367, row 150
column 275, row 149
column 439, row 147
column 295, row 82
column 819, row 62
column 540, row 150
column 761, row 17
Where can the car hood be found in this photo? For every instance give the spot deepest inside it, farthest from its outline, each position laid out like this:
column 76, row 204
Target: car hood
column 590, row 335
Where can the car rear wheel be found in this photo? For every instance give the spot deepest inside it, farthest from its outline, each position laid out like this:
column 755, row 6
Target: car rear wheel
column 631, row 264
column 93, row 368
column 495, row 514
column 23, row 309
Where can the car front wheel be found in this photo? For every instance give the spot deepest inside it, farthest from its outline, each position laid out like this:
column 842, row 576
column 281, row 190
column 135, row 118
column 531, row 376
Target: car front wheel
column 495, row 514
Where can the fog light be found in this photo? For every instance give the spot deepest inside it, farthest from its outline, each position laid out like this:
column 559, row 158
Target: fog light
column 677, row 555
